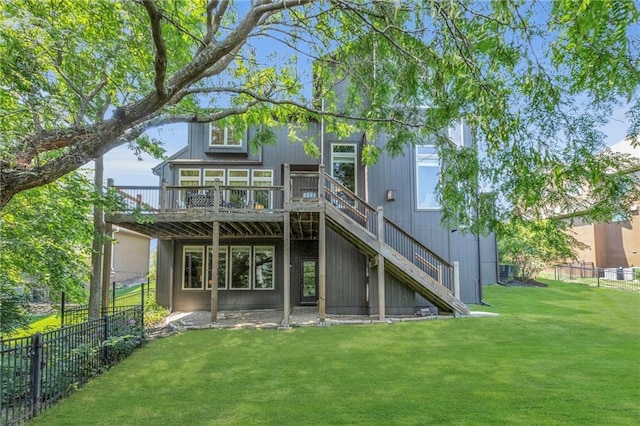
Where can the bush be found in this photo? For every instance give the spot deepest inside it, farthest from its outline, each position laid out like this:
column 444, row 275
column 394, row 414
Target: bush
column 13, row 310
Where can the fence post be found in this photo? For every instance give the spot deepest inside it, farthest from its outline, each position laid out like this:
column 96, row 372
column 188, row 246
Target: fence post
column 113, row 297
column 105, row 336
column 142, row 303
column 62, row 302
column 598, row 273
column 36, row 373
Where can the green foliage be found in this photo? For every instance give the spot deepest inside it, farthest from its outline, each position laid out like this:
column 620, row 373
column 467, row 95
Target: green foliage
column 45, row 237
column 536, row 244
column 554, row 358
column 13, row 311
column 533, row 80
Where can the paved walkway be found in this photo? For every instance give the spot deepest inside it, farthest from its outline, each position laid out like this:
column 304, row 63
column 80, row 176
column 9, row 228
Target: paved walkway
column 273, row 318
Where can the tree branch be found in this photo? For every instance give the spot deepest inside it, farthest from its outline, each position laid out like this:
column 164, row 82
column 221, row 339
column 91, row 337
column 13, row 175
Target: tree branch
column 266, row 99
column 160, row 63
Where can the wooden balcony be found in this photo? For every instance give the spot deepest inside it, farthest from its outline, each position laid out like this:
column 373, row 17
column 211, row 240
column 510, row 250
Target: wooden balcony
column 242, row 211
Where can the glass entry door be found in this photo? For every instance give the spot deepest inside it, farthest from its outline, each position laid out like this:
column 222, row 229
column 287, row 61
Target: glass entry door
column 309, row 281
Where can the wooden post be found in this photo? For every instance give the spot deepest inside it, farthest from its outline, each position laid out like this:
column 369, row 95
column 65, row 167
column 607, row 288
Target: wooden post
column 381, row 281
column 456, row 284
column 287, row 183
column 287, row 265
column 163, row 196
column 322, row 268
column 215, row 260
column 321, row 182
column 217, row 199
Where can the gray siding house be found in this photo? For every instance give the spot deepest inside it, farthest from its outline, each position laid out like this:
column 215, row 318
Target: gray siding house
column 276, row 228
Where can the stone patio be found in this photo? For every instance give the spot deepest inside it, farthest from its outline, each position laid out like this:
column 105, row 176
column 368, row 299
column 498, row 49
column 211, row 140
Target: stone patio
column 301, row 316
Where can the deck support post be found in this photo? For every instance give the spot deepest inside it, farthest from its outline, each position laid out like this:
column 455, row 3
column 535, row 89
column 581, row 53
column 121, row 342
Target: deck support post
column 322, row 251
column 381, row 281
column 456, row 284
column 215, row 261
column 322, row 268
column 286, row 276
column 287, row 270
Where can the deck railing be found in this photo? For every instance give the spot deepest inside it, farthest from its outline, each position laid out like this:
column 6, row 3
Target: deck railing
column 301, row 186
column 155, row 199
column 402, row 242
column 351, row 205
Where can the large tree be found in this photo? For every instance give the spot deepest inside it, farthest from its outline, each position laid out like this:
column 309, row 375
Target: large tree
column 535, row 80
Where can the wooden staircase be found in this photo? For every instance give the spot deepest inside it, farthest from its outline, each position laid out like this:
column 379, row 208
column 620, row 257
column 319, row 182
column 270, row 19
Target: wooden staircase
column 404, row 257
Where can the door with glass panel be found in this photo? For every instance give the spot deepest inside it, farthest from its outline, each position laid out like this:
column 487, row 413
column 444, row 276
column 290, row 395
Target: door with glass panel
column 308, row 281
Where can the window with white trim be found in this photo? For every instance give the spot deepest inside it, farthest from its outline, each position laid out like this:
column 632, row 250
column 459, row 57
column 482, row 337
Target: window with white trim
column 240, row 268
column 343, row 165
column 427, row 176
column 262, row 177
column 222, row 267
column 263, row 267
column 193, row 268
column 210, row 176
column 189, row 177
column 223, row 136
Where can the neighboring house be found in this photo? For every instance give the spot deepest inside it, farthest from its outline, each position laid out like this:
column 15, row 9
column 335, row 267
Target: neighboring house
column 614, row 244
column 130, row 256
column 276, row 228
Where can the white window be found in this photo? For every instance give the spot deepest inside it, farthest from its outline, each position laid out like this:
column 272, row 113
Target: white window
column 427, row 176
column 223, row 136
column 240, row 268
column 193, row 268
column 343, row 165
column 263, row 268
column 262, row 199
column 210, row 176
column 189, row 177
column 238, row 198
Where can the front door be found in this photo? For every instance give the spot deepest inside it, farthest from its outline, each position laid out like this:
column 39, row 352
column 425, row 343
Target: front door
column 309, row 281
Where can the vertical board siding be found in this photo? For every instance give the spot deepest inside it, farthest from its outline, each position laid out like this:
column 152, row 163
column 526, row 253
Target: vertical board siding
column 346, row 277
column 164, row 268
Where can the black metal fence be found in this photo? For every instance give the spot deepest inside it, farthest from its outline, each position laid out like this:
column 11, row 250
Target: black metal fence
column 626, row 279
column 77, row 314
column 38, row 370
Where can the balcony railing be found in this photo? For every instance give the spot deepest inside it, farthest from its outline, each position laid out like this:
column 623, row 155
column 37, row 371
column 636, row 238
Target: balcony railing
column 218, row 198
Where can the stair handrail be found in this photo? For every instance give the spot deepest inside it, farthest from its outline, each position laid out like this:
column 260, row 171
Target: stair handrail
column 363, row 213
column 421, row 256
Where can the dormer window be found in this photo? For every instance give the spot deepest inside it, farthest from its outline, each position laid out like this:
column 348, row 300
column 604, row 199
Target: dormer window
column 223, row 136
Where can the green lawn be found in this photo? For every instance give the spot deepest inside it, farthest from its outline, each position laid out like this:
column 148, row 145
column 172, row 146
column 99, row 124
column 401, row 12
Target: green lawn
column 564, row 354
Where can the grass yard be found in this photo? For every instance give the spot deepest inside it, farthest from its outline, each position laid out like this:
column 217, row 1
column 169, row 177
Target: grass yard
column 564, row 354
column 124, row 297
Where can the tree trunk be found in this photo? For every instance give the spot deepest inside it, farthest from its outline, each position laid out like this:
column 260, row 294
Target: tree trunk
column 95, row 286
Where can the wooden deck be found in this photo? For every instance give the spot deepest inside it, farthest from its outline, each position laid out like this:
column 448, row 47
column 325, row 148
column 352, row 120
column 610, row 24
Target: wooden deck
column 297, row 211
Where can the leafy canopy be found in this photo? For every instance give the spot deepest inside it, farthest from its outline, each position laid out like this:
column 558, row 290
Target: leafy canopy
column 534, row 79
column 45, row 237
